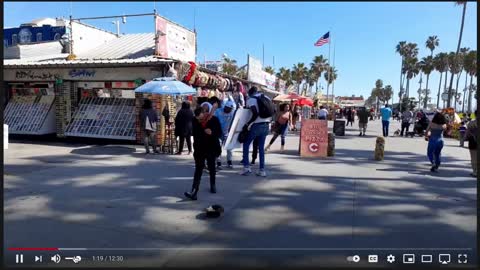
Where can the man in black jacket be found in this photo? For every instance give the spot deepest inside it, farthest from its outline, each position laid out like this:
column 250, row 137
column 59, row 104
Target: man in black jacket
column 206, row 146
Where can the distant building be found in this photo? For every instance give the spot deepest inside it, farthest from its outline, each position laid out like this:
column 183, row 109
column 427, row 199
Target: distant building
column 40, row 30
column 351, row 101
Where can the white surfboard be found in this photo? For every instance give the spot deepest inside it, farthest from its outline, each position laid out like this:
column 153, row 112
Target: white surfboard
column 241, row 118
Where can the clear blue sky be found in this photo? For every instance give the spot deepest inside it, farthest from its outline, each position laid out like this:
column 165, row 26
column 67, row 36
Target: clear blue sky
column 364, row 33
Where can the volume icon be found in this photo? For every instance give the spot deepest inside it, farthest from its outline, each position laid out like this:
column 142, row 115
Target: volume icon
column 56, row 258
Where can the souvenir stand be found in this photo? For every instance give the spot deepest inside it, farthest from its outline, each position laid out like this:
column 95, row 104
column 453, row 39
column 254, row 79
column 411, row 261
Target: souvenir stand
column 105, row 110
column 31, row 108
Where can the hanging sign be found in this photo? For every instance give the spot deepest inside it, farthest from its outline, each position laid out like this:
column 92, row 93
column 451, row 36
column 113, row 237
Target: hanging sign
column 174, row 41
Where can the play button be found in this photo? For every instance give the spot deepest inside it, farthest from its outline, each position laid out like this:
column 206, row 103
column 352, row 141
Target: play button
column 313, row 147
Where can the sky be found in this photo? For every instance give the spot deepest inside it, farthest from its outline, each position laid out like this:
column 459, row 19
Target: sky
column 364, row 34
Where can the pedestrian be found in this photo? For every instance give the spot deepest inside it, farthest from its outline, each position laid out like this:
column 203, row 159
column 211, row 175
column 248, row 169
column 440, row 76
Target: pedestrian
column 183, row 127
column 206, row 145
column 322, row 113
column 386, row 113
column 349, row 117
column 225, row 115
column 462, row 129
column 471, row 137
column 407, row 117
column 262, row 111
column 296, row 116
column 254, row 152
column 434, row 134
column 283, row 120
column 149, row 120
column 363, row 116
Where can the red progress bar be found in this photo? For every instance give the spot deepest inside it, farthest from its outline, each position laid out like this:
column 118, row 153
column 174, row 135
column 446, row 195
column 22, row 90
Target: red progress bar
column 33, row 249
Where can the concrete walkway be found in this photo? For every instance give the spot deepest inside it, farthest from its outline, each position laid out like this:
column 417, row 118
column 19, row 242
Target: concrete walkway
column 307, row 212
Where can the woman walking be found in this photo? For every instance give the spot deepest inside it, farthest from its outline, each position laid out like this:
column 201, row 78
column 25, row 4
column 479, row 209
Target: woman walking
column 183, row 127
column 350, row 117
column 283, row 120
column 206, row 145
column 434, row 134
column 149, row 120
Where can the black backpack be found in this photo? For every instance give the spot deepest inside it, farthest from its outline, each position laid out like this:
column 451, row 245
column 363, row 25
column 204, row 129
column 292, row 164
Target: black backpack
column 265, row 106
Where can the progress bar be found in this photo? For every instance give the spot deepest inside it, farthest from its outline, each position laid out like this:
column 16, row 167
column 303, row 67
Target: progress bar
column 253, row 249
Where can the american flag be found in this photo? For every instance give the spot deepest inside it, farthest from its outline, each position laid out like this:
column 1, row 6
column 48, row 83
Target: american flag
column 323, row 40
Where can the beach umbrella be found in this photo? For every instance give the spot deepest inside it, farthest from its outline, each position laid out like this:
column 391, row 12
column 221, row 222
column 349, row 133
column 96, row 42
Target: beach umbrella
column 288, row 97
column 305, row 102
column 166, row 86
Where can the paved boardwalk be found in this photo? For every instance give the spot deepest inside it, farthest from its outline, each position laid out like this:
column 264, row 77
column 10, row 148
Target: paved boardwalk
column 306, row 212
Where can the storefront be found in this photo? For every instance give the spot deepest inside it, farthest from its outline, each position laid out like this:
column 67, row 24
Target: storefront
column 94, row 101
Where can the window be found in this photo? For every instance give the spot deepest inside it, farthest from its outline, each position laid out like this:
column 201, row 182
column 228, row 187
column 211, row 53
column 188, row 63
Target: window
column 14, row 39
column 39, row 37
column 57, row 36
column 25, row 36
column 5, row 43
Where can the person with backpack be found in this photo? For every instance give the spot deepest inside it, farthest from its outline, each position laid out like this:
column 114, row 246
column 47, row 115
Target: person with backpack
column 262, row 111
column 149, row 120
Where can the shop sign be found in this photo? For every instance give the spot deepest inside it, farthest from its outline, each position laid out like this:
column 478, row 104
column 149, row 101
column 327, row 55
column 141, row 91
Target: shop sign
column 281, row 86
column 256, row 74
column 314, row 138
column 81, row 73
column 123, row 85
column 174, row 41
column 36, row 75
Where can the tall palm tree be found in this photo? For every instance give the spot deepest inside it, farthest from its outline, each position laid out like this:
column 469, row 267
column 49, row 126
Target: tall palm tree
column 330, row 76
column 298, row 73
column 431, row 43
column 318, row 65
column 455, row 67
column 470, row 65
column 427, row 67
column 461, row 58
column 441, row 65
column 311, row 78
column 412, row 69
column 458, row 3
column 269, row 69
column 401, row 50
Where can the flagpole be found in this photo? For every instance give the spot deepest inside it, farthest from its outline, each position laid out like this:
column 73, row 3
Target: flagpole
column 328, row 71
column 333, row 83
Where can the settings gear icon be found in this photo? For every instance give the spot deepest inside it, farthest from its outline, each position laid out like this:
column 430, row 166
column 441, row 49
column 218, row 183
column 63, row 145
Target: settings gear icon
column 390, row 258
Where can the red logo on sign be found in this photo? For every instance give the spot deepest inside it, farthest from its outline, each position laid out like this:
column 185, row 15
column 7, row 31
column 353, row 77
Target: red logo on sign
column 313, row 147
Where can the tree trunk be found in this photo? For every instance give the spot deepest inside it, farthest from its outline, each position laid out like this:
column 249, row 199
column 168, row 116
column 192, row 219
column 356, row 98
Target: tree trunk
column 456, row 55
column 456, row 88
column 470, row 92
column 426, row 93
column 445, row 88
column 439, row 88
column 465, row 92
column 328, row 84
column 407, row 93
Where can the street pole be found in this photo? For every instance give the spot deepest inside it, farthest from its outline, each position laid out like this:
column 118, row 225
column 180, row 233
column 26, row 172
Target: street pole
column 333, row 82
column 329, row 67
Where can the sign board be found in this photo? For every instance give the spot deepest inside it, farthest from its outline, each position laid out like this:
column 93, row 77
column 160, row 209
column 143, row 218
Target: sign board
column 314, row 138
column 281, row 86
column 256, row 74
column 174, row 41
column 214, row 65
column 241, row 118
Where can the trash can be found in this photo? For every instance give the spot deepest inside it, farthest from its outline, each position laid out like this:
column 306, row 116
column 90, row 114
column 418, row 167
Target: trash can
column 339, row 127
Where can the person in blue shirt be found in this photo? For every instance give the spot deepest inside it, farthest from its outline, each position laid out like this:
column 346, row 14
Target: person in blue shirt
column 386, row 115
column 226, row 115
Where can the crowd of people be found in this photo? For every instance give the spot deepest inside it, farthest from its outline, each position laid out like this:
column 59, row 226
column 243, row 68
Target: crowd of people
column 210, row 122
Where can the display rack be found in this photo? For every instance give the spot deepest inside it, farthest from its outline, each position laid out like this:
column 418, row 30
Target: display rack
column 109, row 118
column 30, row 111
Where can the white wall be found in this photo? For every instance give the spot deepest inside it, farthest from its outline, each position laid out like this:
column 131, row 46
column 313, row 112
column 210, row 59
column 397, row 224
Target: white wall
column 87, row 37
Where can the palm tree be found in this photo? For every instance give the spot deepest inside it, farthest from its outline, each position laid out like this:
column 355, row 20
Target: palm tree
column 455, row 68
column 298, row 74
column 458, row 3
column 330, row 76
column 318, row 65
column 285, row 75
column 269, row 69
column 470, row 65
column 311, row 78
column 460, row 59
column 402, row 50
column 432, row 43
column 427, row 67
column 412, row 69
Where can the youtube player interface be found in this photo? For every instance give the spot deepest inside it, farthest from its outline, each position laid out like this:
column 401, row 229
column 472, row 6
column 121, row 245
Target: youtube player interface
column 240, row 135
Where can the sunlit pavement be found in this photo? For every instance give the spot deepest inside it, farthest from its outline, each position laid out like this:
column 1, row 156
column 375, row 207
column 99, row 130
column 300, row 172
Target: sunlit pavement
column 306, row 212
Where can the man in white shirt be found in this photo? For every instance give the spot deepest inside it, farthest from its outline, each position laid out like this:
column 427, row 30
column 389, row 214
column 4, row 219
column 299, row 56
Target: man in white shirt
column 322, row 113
column 258, row 129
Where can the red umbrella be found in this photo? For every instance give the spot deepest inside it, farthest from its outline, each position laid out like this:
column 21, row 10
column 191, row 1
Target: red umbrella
column 304, row 101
